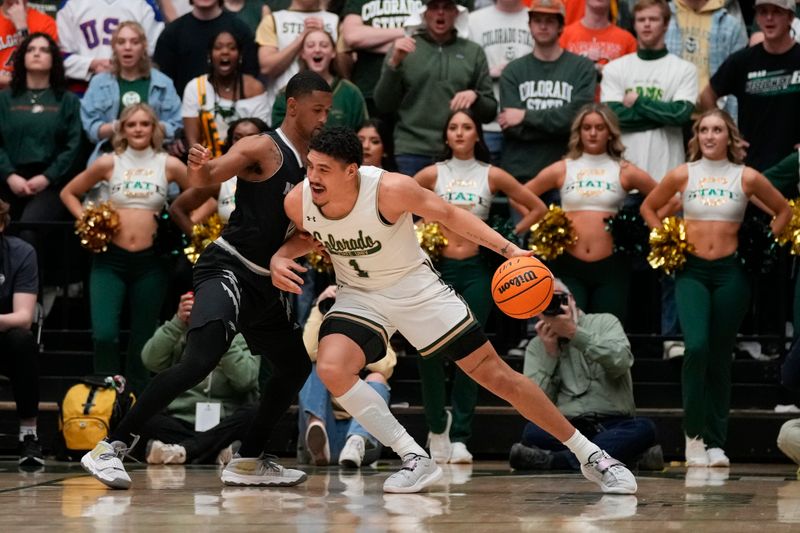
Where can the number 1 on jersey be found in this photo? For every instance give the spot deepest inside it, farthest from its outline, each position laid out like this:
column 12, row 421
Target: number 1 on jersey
column 361, row 273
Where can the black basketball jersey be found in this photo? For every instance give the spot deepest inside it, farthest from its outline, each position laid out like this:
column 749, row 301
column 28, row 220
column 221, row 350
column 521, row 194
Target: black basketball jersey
column 259, row 226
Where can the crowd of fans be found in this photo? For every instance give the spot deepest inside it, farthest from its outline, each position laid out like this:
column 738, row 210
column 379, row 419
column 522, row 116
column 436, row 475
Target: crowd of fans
column 592, row 104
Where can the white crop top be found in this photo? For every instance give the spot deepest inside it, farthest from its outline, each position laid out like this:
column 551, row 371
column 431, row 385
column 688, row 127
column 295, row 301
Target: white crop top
column 226, row 200
column 139, row 180
column 465, row 184
column 714, row 191
column 592, row 184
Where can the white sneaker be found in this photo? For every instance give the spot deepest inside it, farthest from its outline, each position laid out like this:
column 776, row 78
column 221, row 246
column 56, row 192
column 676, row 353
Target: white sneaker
column 459, row 454
column 717, row 457
column 674, row 349
column 317, row 443
column 352, row 454
column 696, row 454
column 260, row 472
column 612, row 476
column 159, row 453
column 416, row 474
column 439, row 443
column 104, row 463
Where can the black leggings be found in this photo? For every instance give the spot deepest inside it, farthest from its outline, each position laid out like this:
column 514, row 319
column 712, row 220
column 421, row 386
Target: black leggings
column 205, row 347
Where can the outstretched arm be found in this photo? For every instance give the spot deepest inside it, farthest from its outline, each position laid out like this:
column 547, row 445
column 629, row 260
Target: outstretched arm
column 398, row 191
column 256, row 150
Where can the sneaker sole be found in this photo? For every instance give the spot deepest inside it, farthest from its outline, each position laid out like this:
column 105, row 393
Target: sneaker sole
column 423, row 482
column 609, row 490
column 233, row 479
column 460, row 461
column 121, row 484
column 31, row 461
column 349, row 463
column 317, row 442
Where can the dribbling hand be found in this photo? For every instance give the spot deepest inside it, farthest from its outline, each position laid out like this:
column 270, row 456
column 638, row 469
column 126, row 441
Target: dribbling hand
column 283, row 273
column 199, row 155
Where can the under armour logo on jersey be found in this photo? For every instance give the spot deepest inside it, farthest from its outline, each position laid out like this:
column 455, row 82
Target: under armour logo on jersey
column 311, row 219
column 288, row 188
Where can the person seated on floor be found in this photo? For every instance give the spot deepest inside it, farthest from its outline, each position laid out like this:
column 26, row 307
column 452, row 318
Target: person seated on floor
column 328, row 434
column 789, row 435
column 19, row 286
column 201, row 425
column 582, row 362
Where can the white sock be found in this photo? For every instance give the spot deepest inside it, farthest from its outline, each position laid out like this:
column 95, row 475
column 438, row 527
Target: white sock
column 25, row 431
column 582, row 447
column 371, row 411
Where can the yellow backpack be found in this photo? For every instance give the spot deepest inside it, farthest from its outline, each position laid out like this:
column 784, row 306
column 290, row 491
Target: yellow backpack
column 90, row 410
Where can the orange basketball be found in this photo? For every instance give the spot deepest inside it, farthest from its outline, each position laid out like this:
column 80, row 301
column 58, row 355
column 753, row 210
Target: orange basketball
column 522, row 287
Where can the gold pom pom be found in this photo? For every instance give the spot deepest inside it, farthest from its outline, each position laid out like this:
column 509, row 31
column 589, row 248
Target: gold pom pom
column 97, row 226
column 791, row 233
column 319, row 262
column 431, row 239
column 552, row 235
column 668, row 245
column 203, row 234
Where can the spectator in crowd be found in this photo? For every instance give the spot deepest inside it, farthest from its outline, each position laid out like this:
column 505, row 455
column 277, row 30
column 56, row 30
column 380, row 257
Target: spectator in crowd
column 280, row 39
column 540, row 94
column 652, row 92
column 369, row 27
column 249, row 11
column 182, row 49
column 465, row 179
column 329, row 434
column 17, row 21
column 423, row 102
column 19, row 286
column 503, row 33
column 376, row 142
column 761, row 78
column 317, row 54
column 582, row 362
column 40, row 135
column 86, row 29
column 212, row 101
column 200, row 425
column 789, row 435
column 711, row 290
column 598, row 277
column 138, row 173
column 704, row 33
column 196, row 204
column 619, row 12
column 131, row 80
column 596, row 37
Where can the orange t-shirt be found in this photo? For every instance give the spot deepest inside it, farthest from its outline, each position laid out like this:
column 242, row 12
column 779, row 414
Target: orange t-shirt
column 10, row 37
column 601, row 46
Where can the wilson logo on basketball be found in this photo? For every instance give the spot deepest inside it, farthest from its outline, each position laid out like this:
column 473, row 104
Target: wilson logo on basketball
column 517, row 281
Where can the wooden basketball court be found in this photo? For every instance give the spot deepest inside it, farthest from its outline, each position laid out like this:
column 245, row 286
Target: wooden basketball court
column 486, row 496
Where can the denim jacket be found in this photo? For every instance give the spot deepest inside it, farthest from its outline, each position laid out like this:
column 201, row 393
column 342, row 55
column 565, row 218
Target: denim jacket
column 729, row 36
column 100, row 105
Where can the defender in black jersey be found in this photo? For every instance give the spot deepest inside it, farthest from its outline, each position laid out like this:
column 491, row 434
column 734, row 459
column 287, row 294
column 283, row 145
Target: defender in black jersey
column 233, row 292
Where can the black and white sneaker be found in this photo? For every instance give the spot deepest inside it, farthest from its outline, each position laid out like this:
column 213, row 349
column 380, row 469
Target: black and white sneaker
column 30, row 452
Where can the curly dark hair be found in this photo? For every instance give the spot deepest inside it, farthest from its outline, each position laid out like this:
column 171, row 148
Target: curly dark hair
column 257, row 122
column 58, row 80
column 339, row 143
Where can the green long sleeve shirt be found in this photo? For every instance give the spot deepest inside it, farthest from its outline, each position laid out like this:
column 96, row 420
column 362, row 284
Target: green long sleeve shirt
column 785, row 175
column 421, row 87
column 591, row 373
column 233, row 383
column 38, row 128
column 550, row 92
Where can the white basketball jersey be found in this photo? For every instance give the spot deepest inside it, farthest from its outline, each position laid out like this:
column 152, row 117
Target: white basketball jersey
column 366, row 251
column 85, row 28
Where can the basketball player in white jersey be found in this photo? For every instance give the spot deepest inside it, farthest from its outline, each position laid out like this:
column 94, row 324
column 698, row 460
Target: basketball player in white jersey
column 85, row 28
column 387, row 284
